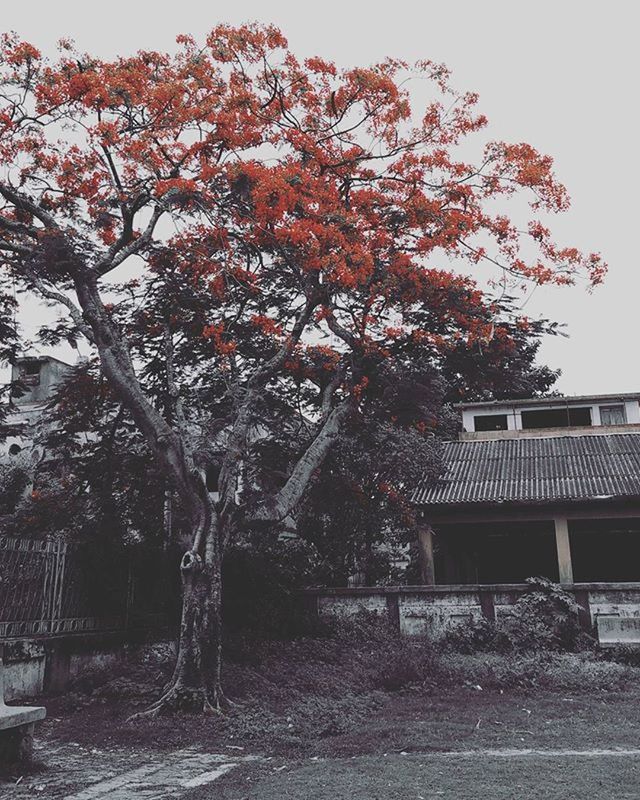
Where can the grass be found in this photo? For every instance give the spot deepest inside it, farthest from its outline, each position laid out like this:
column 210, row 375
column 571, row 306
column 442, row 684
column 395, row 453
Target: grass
column 422, row 777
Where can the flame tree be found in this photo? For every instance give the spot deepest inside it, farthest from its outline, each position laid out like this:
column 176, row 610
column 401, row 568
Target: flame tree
column 295, row 226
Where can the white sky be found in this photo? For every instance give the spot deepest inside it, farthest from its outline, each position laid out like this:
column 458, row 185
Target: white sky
column 560, row 75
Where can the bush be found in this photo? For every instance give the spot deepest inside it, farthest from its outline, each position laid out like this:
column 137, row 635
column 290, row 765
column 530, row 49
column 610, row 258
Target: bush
column 545, row 618
column 622, row 654
column 404, row 666
column 260, row 578
column 474, row 636
column 363, row 627
column 579, row 672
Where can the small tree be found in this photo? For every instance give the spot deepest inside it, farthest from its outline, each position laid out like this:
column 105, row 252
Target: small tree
column 263, row 205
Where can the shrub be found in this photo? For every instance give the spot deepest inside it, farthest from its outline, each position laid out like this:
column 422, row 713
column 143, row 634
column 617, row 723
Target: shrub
column 261, row 576
column 583, row 672
column 544, row 618
column 401, row 668
column 472, row 636
column 622, row 654
column 362, row 627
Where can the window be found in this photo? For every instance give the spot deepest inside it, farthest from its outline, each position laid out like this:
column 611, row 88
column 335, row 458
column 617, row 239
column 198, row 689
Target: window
column 567, row 417
column 490, row 422
column 30, row 373
column 30, row 368
column 612, row 415
column 593, row 560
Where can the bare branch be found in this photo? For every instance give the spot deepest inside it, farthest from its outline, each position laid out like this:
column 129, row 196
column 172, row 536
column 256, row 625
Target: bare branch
column 340, row 331
column 19, row 249
column 58, row 297
column 330, row 390
column 18, row 227
column 236, row 443
column 274, row 363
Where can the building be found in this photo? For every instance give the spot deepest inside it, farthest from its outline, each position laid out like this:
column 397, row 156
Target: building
column 37, row 377
column 546, row 487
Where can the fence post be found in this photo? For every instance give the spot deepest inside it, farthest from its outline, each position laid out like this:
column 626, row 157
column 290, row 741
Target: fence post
column 56, row 555
column 47, row 584
column 393, row 610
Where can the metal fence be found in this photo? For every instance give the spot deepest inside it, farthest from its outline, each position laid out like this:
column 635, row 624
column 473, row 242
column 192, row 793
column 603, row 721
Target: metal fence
column 51, row 587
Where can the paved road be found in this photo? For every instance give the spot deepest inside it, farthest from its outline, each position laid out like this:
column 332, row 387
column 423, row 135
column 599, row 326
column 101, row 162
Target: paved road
column 73, row 772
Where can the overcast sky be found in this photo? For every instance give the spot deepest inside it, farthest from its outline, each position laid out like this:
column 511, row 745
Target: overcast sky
column 560, row 75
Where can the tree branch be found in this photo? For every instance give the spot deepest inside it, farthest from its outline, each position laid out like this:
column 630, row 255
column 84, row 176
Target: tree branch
column 18, row 227
column 330, row 389
column 165, row 442
column 341, row 332
column 287, row 499
column 118, row 252
column 19, row 249
column 25, row 203
column 236, row 444
column 58, row 297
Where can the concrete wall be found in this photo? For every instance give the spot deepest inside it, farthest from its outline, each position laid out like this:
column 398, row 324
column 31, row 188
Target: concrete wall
column 39, row 666
column 416, row 610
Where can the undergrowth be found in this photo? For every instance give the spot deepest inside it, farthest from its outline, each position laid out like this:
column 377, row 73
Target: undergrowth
column 327, row 684
column 352, row 665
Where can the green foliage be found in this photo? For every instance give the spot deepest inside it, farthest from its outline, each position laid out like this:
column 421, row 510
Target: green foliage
column 295, row 693
column 622, row 654
column 14, row 479
column 579, row 672
column 97, row 478
column 260, row 576
column 503, row 367
column 357, row 515
column 545, row 618
column 476, row 635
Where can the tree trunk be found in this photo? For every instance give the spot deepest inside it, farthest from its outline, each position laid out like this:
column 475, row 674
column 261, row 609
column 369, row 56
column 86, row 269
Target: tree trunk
column 196, row 683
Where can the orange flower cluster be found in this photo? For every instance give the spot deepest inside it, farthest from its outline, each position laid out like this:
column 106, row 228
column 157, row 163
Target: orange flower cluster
column 223, row 345
column 288, row 182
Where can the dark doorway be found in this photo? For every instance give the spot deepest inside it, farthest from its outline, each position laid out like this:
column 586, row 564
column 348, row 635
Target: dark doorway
column 605, row 550
column 497, row 552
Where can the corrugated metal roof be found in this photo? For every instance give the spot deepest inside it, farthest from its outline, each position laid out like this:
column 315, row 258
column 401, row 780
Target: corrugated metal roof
column 534, row 470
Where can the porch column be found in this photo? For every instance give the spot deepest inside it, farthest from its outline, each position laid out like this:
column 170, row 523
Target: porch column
column 425, row 554
column 563, row 546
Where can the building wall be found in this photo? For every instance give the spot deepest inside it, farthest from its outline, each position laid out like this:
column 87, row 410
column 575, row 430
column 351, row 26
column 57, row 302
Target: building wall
column 40, row 384
column 419, row 610
column 514, row 412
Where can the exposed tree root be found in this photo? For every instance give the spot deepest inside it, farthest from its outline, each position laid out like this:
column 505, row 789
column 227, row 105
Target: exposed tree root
column 180, row 698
